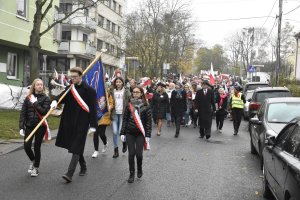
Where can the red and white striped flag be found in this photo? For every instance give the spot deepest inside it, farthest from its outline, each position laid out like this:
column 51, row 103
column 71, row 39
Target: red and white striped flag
column 211, row 75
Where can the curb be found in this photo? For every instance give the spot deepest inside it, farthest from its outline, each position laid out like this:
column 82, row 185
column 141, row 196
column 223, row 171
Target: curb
column 18, row 145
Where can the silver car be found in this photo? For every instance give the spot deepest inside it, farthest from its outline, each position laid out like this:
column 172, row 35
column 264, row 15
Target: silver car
column 270, row 119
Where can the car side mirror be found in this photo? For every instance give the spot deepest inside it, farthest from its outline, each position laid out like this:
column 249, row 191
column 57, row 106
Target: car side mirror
column 255, row 121
column 270, row 140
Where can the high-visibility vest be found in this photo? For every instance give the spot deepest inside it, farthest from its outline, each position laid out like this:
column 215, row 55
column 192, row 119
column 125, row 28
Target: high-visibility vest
column 237, row 102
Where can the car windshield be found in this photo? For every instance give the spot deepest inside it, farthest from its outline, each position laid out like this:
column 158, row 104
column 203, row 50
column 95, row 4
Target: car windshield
column 283, row 112
column 249, row 94
column 261, row 96
column 254, row 86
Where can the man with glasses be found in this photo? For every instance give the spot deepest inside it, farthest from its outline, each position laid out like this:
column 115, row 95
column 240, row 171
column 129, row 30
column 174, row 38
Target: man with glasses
column 78, row 115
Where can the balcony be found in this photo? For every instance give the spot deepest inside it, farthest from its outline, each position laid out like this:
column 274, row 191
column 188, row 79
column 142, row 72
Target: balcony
column 84, row 22
column 77, row 47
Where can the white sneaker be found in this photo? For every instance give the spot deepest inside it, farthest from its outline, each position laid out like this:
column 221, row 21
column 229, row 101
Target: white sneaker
column 34, row 172
column 30, row 168
column 220, row 131
column 104, row 149
column 95, row 154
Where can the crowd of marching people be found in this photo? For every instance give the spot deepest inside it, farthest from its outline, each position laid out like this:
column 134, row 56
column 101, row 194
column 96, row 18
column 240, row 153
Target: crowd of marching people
column 133, row 108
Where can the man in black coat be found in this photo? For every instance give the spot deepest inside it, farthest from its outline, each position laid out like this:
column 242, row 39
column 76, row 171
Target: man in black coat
column 78, row 115
column 205, row 106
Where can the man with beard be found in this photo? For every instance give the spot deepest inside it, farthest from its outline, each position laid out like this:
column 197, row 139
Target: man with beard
column 205, row 106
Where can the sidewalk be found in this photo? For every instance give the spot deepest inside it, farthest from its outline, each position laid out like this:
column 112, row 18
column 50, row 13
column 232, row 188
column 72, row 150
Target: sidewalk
column 11, row 145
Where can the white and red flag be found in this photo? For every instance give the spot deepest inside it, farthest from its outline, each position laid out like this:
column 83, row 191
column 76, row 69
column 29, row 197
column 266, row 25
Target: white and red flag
column 211, row 75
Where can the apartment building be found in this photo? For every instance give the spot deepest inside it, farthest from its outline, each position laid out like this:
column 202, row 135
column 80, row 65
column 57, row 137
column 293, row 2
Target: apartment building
column 16, row 22
column 87, row 32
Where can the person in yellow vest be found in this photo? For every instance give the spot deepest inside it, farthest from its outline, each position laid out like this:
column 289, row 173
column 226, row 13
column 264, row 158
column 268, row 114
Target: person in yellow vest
column 237, row 104
column 102, row 124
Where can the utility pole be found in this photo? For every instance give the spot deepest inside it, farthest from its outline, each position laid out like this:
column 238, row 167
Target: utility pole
column 278, row 44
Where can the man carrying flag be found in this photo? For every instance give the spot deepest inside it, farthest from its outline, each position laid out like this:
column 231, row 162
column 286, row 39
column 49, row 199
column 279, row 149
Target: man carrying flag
column 78, row 115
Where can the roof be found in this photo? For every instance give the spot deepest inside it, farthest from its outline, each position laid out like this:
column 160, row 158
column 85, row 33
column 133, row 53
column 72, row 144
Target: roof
column 283, row 99
column 256, row 83
column 271, row 89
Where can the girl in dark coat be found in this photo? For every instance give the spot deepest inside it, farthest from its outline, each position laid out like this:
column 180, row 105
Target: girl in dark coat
column 136, row 130
column 222, row 101
column 35, row 105
column 160, row 106
column 75, row 121
column 178, row 106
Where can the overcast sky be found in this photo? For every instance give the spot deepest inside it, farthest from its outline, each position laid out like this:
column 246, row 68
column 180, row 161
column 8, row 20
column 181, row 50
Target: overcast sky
column 215, row 32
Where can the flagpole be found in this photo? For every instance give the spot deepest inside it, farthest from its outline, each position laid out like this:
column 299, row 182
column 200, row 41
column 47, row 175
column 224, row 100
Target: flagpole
column 62, row 97
column 106, row 95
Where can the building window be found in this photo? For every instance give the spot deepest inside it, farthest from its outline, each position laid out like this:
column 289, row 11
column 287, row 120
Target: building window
column 114, row 5
column 120, row 9
column 86, row 12
column 109, row 3
column 113, row 27
column 107, row 25
column 84, row 37
column 65, row 8
column 12, row 65
column 100, row 20
column 99, row 45
column 112, row 49
column 107, row 47
column 119, row 52
column 66, row 36
column 22, row 8
column 119, row 30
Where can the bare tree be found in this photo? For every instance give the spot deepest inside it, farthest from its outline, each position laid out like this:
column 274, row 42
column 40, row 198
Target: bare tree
column 42, row 9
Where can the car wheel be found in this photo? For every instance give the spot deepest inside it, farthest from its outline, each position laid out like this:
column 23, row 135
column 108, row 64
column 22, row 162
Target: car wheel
column 252, row 148
column 266, row 190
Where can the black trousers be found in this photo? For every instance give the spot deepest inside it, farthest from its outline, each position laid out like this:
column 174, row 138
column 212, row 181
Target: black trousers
column 237, row 114
column 220, row 116
column 38, row 140
column 135, row 149
column 73, row 164
column 204, row 131
column 178, row 119
column 100, row 132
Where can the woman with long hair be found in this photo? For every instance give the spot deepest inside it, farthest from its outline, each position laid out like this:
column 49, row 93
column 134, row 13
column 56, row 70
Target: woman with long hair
column 35, row 106
column 136, row 130
column 160, row 106
column 222, row 101
column 121, row 96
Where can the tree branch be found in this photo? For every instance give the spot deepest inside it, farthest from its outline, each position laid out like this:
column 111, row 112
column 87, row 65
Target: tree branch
column 47, row 9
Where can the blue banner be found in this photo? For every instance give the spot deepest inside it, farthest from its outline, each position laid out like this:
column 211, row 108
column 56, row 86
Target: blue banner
column 95, row 78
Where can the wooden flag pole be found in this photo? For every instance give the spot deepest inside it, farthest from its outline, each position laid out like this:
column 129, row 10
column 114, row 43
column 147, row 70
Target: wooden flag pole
column 62, row 97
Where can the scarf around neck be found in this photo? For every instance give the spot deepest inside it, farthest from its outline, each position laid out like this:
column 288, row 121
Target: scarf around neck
column 222, row 97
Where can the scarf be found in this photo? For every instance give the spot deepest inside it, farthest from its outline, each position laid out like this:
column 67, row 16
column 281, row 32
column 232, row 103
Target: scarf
column 222, row 97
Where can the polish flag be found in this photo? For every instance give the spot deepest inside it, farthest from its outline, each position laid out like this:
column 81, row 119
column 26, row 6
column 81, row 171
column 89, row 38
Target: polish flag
column 211, row 75
column 147, row 83
column 55, row 74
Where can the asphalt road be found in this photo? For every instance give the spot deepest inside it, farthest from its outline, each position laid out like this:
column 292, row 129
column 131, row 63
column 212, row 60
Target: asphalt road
column 188, row 167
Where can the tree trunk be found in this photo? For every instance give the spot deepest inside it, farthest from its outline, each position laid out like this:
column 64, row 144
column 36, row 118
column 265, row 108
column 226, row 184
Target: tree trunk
column 34, row 43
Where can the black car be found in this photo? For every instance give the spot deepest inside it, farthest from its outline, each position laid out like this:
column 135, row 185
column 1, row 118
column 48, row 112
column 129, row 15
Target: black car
column 282, row 163
column 273, row 115
column 260, row 94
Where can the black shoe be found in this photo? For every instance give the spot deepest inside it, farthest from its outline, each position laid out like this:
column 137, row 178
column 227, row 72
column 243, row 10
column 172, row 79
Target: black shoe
column 139, row 173
column 207, row 137
column 176, row 135
column 131, row 177
column 124, row 149
column 67, row 178
column 82, row 172
column 116, row 154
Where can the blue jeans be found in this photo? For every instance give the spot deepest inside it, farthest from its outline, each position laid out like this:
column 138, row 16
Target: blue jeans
column 187, row 116
column 116, row 125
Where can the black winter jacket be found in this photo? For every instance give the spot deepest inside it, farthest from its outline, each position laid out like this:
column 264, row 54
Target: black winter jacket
column 28, row 115
column 129, row 126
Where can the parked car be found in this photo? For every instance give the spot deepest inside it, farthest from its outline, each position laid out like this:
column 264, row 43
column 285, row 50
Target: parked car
column 248, row 96
column 281, row 167
column 254, row 85
column 273, row 115
column 260, row 94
